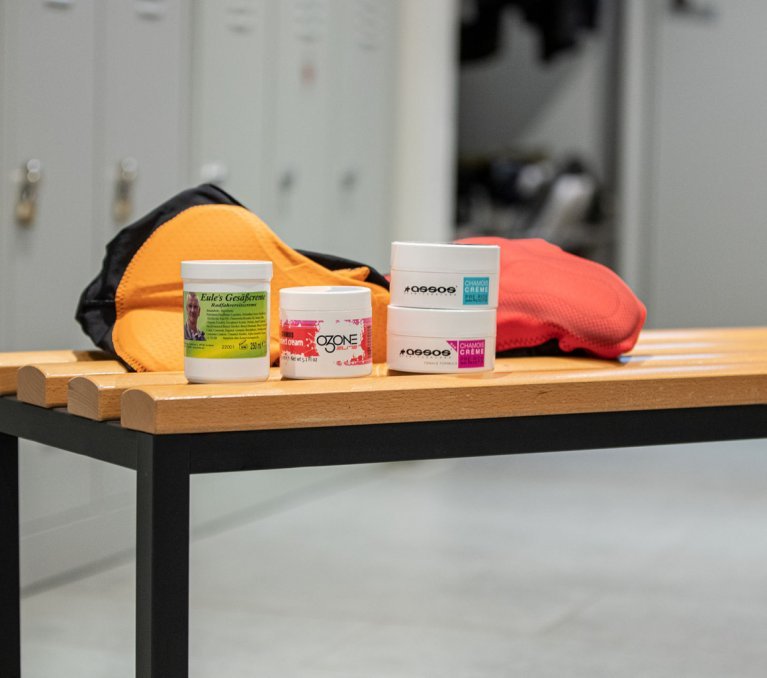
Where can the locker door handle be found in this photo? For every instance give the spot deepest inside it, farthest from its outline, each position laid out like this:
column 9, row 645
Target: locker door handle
column 694, row 9
column 150, row 9
column 125, row 186
column 26, row 205
column 287, row 181
column 349, row 179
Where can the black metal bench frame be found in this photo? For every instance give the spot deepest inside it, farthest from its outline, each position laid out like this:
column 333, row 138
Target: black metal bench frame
column 164, row 464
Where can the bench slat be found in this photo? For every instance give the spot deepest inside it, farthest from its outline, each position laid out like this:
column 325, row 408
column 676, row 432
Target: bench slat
column 503, row 393
column 98, row 397
column 11, row 362
column 46, row 385
column 720, row 340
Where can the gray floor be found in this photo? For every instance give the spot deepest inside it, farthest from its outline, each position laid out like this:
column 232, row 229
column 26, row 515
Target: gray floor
column 636, row 562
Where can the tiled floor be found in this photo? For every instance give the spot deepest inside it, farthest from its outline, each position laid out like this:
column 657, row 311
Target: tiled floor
column 637, row 562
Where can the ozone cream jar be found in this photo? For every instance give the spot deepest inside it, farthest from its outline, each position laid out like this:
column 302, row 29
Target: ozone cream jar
column 440, row 340
column 325, row 332
column 426, row 275
column 226, row 320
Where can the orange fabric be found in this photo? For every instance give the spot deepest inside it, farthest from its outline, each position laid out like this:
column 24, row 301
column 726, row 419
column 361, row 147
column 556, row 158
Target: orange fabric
column 148, row 333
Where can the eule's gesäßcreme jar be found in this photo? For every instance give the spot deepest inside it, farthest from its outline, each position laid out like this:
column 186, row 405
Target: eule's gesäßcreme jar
column 440, row 340
column 326, row 332
column 435, row 275
column 226, row 320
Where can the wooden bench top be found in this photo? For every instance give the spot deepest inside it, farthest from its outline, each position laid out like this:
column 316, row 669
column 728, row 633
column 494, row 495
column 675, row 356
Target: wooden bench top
column 667, row 369
column 10, row 363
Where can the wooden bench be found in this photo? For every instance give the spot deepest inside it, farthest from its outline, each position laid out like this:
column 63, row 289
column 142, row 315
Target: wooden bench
column 675, row 386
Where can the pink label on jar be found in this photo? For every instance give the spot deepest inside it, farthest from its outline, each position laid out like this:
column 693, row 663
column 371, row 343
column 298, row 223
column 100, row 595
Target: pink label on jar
column 338, row 342
column 471, row 352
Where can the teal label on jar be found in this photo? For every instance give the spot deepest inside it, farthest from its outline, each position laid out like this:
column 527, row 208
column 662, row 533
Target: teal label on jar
column 476, row 290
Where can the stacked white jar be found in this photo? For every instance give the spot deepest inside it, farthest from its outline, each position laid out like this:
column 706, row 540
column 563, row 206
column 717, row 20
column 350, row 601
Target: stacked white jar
column 442, row 316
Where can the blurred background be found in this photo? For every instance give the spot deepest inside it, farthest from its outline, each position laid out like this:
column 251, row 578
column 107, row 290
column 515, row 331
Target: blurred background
column 631, row 132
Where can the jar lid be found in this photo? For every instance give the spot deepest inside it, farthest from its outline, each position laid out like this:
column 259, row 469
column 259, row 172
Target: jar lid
column 325, row 298
column 441, row 322
column 445, row 257
column 233, row 269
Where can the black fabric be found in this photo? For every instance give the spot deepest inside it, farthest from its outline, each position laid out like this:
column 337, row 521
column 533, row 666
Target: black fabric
column 558, row 23
column 547, row 349
column 481, row 33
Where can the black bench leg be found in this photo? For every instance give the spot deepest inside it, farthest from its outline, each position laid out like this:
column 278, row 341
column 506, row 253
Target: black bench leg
column 162, row 560
column 10, row 618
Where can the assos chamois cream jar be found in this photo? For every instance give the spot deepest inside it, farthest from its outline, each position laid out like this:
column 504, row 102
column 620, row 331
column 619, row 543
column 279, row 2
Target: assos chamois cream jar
column 226, row 320
column 326, row 332
column 426, row 275
column 440, row 340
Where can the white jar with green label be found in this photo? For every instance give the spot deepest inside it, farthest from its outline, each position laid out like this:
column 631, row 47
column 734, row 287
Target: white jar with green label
column 226, row 320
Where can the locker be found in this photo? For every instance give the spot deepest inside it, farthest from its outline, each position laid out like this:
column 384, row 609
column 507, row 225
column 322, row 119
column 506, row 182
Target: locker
column 709, row 157
column 134, row 100
column 361, row 130
column 298, row 120
column 47, row 100
column 142, row 109
column 692, row 236
column 230, row 89
column 87, row 85
column 235, row 77
column 4, row 184
column 48, row 103
column 141, row 134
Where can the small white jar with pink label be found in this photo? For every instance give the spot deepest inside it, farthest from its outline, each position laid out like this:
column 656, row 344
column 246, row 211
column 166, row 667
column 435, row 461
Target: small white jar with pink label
column 440, row 340
column 325, row 332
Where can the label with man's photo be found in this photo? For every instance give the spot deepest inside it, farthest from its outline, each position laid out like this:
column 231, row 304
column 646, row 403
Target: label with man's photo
column 225, row 324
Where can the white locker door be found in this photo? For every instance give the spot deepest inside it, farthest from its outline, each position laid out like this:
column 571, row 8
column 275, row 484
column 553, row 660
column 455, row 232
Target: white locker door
column 143, row 108
column 706, row 262
column 141, row 131
column 234, row 81
column 299, row 123
column 48, row 112
column 359, row 185
column 5, row 188
column 230, row 88
column 48, row 108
